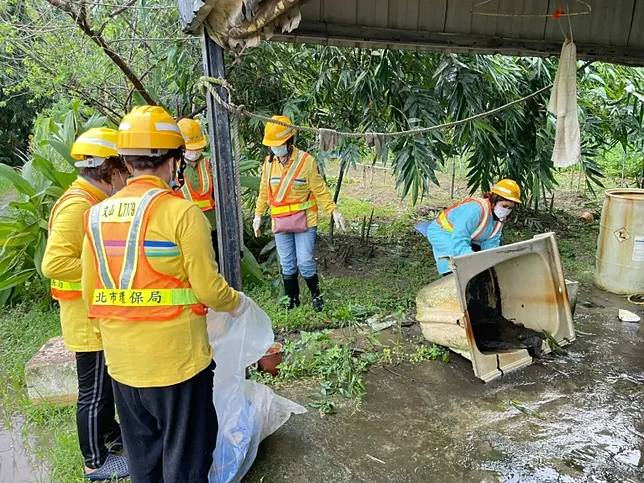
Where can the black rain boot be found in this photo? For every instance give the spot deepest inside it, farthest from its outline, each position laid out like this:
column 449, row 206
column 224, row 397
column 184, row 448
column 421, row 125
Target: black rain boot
column 292, row 290
column 316, row 297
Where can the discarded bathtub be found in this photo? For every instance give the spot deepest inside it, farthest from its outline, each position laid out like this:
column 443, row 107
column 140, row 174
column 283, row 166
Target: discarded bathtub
column 514, row 292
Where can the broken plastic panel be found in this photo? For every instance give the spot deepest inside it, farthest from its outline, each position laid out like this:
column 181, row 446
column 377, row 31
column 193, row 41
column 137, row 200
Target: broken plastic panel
column 494, row 308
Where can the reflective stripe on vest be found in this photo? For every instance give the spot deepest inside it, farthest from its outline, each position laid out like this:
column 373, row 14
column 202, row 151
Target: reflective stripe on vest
column 148, row 297
column 61, row 290
column 125, row 294
column 119, row 210
column 486, row 212
column 286, row 183
column 202, row 196
column 204, row 205
column 284, row 187
column 294, row 208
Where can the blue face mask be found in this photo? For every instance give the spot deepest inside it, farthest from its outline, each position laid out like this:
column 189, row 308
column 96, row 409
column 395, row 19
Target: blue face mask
column 280, row 151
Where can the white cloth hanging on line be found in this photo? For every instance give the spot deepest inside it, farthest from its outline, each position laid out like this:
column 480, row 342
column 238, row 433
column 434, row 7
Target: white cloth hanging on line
column 563, row 104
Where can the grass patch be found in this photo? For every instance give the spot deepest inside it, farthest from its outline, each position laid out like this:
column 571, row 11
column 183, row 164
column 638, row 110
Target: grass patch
column 389, row 288
column 339, row 368
column 315, row 354
column 354, row 211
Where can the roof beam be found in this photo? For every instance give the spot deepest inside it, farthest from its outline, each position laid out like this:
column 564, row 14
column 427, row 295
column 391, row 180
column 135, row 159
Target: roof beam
column 377, row 37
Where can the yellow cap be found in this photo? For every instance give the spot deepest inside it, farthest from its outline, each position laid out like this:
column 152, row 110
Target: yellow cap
column 508, row 189
column 147, row 129
column 98, row 142
column 276, row 134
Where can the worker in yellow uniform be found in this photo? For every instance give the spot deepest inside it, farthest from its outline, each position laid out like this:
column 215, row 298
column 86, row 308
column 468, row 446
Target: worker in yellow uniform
column 198, row 185
column 149, row 275
column 472, row 225
column 102, row 173
column 291, row 186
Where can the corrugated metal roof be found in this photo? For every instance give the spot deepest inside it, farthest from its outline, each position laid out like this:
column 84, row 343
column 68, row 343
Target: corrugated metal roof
column 613, row 31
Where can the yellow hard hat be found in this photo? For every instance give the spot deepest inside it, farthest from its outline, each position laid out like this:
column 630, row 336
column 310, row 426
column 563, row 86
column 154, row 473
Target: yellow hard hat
column 192, row 134
column 148, row 131
column 276, row 134
column 508, row 189
column 94, row 146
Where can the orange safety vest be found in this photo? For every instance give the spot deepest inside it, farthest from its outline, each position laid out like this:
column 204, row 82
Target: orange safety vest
column 486, row 213
column 127, row 287
column 276, row 199
column 202, row 195
column 60, row 289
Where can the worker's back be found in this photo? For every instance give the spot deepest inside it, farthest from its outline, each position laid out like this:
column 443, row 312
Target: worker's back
column 152, row 345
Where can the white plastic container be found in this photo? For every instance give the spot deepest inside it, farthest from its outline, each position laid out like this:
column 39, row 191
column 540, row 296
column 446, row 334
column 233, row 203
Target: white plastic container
column 619, row 262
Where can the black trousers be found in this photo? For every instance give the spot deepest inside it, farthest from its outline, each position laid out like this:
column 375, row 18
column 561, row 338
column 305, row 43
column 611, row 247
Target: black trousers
column 98, row 431
column 169, row 432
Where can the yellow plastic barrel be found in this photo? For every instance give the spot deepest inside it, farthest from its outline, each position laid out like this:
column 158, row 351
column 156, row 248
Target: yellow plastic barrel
column 619, row 262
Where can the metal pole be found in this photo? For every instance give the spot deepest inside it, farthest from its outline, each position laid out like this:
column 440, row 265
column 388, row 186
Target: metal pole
column 223, row 168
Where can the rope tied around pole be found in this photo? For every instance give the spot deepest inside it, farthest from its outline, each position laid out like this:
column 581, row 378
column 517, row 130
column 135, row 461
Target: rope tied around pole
column 239, row 111
column 329, row 136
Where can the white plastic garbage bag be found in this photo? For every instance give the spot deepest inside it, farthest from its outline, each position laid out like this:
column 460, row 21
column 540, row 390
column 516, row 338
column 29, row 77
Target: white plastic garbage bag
column 247, row 412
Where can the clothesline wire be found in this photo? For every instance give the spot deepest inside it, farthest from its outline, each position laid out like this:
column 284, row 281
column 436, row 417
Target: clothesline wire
column 557, row 15
column 240, row 111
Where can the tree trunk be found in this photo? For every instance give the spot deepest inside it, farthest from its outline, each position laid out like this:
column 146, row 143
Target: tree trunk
column 336, row 195
column 451, row 189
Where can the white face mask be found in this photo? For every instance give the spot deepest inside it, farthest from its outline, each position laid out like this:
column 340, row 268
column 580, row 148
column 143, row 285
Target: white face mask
column 193, row 155
column 501, row 212
column 280, row 151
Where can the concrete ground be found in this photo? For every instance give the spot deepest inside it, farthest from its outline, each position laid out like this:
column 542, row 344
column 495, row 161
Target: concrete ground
column 577, row 418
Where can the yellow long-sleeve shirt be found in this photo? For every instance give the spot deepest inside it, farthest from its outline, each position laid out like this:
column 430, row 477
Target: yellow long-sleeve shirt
column 309, row 183
column 163, row 353
column 62, row 261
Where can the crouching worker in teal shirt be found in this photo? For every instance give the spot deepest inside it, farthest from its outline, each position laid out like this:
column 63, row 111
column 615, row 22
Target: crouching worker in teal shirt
column 471, row 225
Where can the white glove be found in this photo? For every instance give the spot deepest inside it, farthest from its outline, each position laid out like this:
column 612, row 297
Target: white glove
column 244, row 303
column 257, row 223
column 338, row 220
